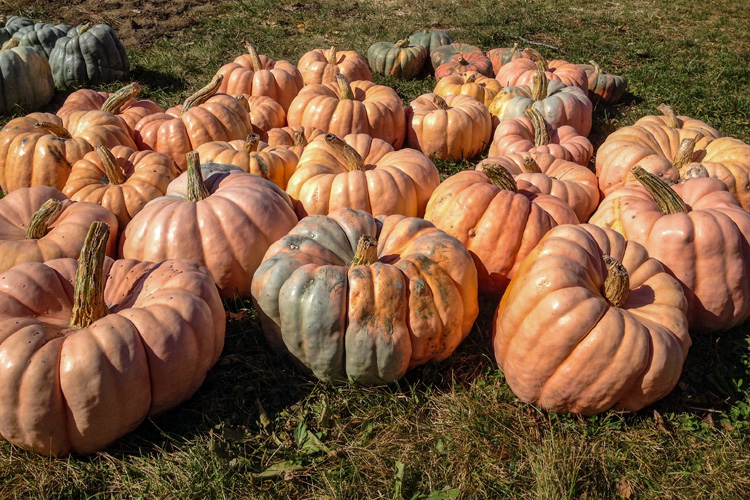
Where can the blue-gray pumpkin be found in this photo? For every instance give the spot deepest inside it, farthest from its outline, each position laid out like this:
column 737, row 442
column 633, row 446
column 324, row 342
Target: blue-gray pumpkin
column 25, row 79
column 13, row 24
column 89, row 55
column 42, row 36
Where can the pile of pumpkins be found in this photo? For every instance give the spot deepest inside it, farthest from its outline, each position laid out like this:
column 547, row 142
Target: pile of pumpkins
column 312, row 190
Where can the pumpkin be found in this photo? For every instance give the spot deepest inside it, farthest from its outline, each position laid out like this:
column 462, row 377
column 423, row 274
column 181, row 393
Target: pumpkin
column 362, row 173
column 204, row 117
column 40, row 223
column 464, row 63
column 258, row 75
column 443, row 53
column 322, row 66
column 357, row 108
column 399, row 60
column 480, row 87
column 39, row 149
column 663, row 145
column 498, row 223
column 100, row 345
column 430, row 39
column 25, row 79
column 531, row 133
column 41, row 36
column 521, row 71
column 121, row 180
column 603, row 85
column 265, row 113
column 350, row 296
column 502, row 56
column 295, row 138
column 121, row 103
column 591, row 322
column 543, row 173
column 559, row 104
column 699, row 231
column 225, row 223
column 89, row 55
column 275, row 164
column 12, row 25
column 455, row 128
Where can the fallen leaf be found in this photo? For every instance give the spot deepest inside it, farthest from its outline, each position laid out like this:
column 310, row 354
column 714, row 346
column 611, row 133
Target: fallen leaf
column 280, row 469
column 624, row 489
column 660, row 422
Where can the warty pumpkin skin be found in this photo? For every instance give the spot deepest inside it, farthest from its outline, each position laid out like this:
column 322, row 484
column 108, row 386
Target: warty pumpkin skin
column 25, row 79
column 502, row 56
column 480, row 87
column 521, row 71
column 545, row 174
column 400, row 60
column 455, row 128
column 362, row 173
column 366, row 316
column 225, row 223
column 43, row 156
column 497, row 222
column 700, row 233
column 322, row 66
column 573, row 336
column 56, row 232
column 74, row 382
column 351, row 108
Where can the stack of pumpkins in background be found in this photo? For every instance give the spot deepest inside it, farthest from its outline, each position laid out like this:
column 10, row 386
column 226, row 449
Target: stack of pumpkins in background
column 312, row 190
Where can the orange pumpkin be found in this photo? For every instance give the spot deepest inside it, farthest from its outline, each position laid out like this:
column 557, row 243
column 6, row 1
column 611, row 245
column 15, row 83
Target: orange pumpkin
column 265, row 113
column 480, row 87
column 521, row 71
column 295, row 138
column 591, row 322
column 322, row 66
column 502, row 56
column 464, row 63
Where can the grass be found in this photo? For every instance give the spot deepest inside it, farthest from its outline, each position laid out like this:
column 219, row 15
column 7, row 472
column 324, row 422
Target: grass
column 258, row 428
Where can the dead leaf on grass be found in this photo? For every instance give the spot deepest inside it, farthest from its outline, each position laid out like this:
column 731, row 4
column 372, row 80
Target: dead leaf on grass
column 624, row 489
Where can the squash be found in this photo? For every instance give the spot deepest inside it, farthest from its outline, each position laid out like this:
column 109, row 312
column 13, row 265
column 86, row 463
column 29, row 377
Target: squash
column 480, row 87
column 591, row 322
column 521, row 71
column 13, row 24
column 464, row 63
column 502, row 56
column 25, row 79
column 100, row 345
column 400, row 60
column 602, row 85
column 349, row 296
column 42, row 36
column 430, row 39
column 322, row 66
column 443, row 53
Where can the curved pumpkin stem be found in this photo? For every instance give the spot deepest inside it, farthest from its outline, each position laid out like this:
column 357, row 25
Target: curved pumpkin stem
column 12, row 43
column 243, row 101
column 597, row 70
column 617, row 284
column 262, row 165
column 332, row 55
column 251, row 143
column 367, row 251
column 402, row 43
column 540, row 86
column 300, row 139
column 254, row 57
column 440, row 103
column 685, row 152
column 531, row 166
column 42, row 218
column 541, row 136
column 54, row 128
column 499, row 176
column 118, row 99
column 203, row 94
column 345, row 89
column 83, row 29
column 538, row 58
column 353, row 159
column 196, row 186
column 88, row 291
column 668, row 201
column 470, row 77
column 462, row 61
column 112, row 171
column 670, row 115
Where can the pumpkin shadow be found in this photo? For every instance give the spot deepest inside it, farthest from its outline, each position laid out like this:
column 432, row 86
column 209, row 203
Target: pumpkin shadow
column 604, row 113
column 158, row 80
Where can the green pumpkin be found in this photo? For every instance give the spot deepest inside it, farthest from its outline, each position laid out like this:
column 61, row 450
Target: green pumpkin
column 13, row 24
column 89, row 55
column 42, row 36
column 430, row 40
column 604, row 86
column 399, row 60
column 25, row 79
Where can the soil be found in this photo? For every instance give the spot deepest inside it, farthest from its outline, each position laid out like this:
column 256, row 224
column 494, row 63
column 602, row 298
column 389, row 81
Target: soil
column 139, row 23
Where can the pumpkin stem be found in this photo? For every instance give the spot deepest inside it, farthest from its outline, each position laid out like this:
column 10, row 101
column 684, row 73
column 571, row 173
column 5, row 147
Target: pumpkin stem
column 344, row 88
column 440, row 103
column 531, row 166
column 541, row 136
column 538, row 58
column 243, row 100
column 300, row 139
column 470, row 77
column 668, row 201
column 42, row 218
column 55, row 129
column 367, row 251
column 462, row 61
column 597, row 70
column 685, row 152
column 112, row 171
column 499, row 176
column 83, row 29
column 402, row 43
column 196, row 186
column 353, row 159
column 670, row 115
column 540, row 86
column 262, row 165
column 203, row 94
column 251, row 143
column 514, row 48
column 118, row 99
column 88, row 291
column 617, row 284
column 254, row 57
column 332, row 55
column 13, row 42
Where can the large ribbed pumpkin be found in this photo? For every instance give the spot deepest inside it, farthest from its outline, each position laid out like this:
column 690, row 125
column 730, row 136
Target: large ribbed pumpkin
column 503, row 55
column 12, row 25
column 322, row 66
column 480, row 87
column 86, row 363
column 42, row 36
column 400, row 60
column 349, row 296
column 225, row 223
column 521, row 71
column 362, row 173
column 89, row 55
column 25, row 79
column 591, row 322
column 603, row 85
column 430, row 39
column 295, row 137
column 464, row 63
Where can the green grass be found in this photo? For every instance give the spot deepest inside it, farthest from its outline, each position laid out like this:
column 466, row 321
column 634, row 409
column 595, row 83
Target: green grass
column 258, row 428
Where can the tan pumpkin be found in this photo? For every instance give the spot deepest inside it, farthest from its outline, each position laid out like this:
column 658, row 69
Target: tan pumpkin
column 265, row 113
column 258, row 75
column 351, row 108
column 295, row 138
column 455, row 128
column 322, row 66
column 521, row 71
column 480, row 87
column 591, row 322
column 362, row 173
column 121, row 180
